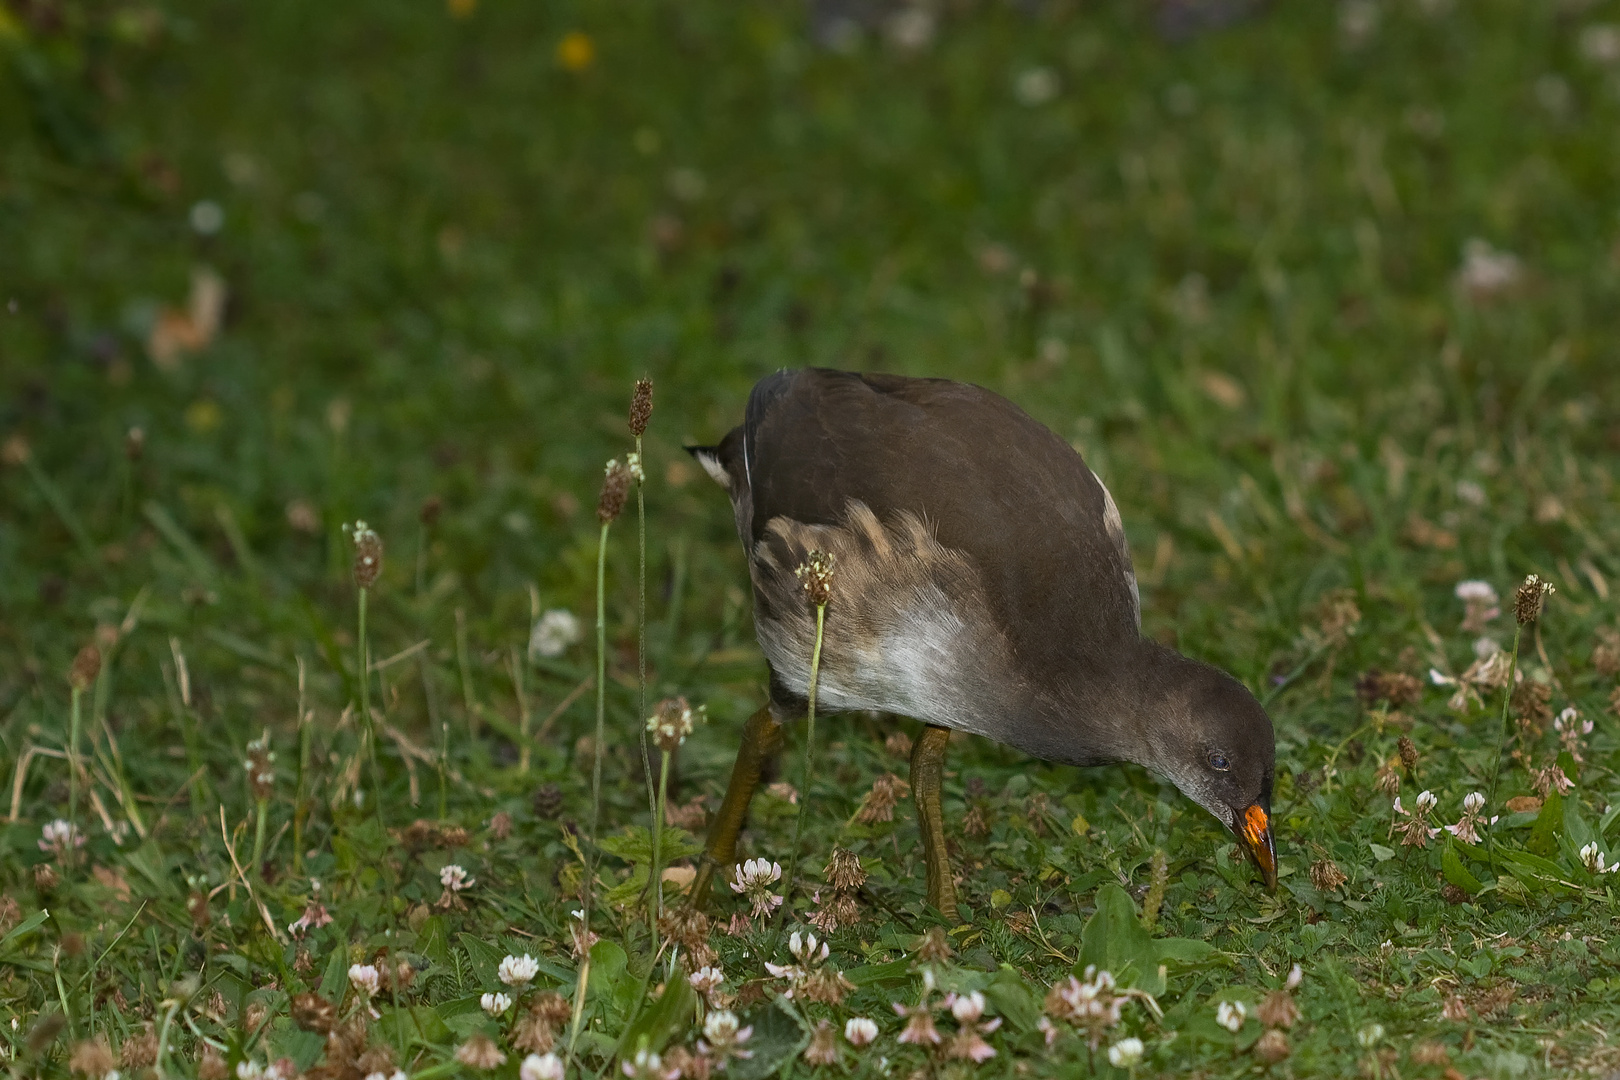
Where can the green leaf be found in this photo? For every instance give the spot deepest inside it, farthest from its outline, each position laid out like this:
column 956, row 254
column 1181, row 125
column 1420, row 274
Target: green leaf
column 1451, row 865
column 607, row 964
column 336, row 976
column 1381, row 853
column 1013, row 999
column 880, row 974
column 628, row 889
column 778, row 1037
column 634, row 844
column 1576, row 829
column 433, row 939
column 665, row 1018
column 486, row 958
column 1114, row 941
column 1549, row 824
column 23, row 929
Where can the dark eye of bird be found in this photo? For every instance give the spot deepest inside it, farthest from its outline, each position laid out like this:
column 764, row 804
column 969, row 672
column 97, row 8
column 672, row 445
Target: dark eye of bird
column 1219, row 763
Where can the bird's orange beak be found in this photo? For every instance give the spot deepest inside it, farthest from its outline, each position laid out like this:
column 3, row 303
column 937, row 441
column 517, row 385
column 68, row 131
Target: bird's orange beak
column 1253, row 827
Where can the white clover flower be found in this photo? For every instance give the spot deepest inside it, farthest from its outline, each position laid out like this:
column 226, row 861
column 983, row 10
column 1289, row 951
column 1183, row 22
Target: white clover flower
column 1474, row 802
column 454, row 878
column 705, row 980
column 365, row 978
column 967, row 1008
column 1370, row 1035
column 1478, row 591
column 803, row 948
column 547, row 1066
column 1231, row 1015
column 518, row 970
column 754, row 879
column 1426, row 801
column 60, row 836
column 495, row 1004
column 248, row 1069
column 860, row 1031
column 553, row 633
column 1125, row 1053
column 1295, row 977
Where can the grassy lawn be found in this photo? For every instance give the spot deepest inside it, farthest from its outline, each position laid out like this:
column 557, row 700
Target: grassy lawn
column 1328, row 296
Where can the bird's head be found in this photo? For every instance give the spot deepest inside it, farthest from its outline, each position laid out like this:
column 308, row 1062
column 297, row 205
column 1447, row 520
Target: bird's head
column 1214, row 741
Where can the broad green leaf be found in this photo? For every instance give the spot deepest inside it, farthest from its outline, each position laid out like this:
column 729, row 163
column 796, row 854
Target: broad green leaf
column 1114, row 941
column 1576, row 829
column 433, row 939
column 1451, row 865
column 1381, row 853
column 1013, row 999
column 634, row 844
column 336, row 976
column 1549, row 823
column 23, row 929
column 880, row 974
column 778, row 1037
column 607, row 965
column 665, row 1018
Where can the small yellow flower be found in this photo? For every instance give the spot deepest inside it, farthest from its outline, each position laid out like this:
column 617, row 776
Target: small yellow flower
column 576, row 51
column 460, row 9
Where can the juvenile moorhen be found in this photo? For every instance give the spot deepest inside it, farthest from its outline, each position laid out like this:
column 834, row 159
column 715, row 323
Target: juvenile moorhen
column 982, row 583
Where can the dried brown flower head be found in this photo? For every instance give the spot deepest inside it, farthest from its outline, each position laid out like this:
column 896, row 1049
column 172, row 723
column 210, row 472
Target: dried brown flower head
column 615, row 490
column 1337, row 616
column 1530, row 598
column 976, row 822
column 1272, row 1046
column 312, row 1012
column 480, row 1052
column 378, row 1058
column 1454, row 1010
column 547, row 802
column 671, row 722
column 368, row 555
column 1531, row 706
column 1326, row 875
column 1606, row 653
column 501, row 825
column 15, row 450
column 45, row 877
column 1395, row 687
column 690, row 929
column 1429, row 1052
column 823, row 1048
column 878, row 805
column 139, row 1050
column 260, row 767
column 1278, row 1010
column 1549, row 777
column 641, row 405
column 1408, row 751
column 844, row 871
column 1388, row 777
column 432, row 507
column 86, row 666
column 10, row 914
column 211, row 1064
column 898, row 743
column 815, row 574
column 839, row 909
column 934, row 947
column 92, row 1058
column 827, row 985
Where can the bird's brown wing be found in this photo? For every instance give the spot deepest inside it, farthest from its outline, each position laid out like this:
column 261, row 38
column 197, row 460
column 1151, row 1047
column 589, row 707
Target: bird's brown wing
column 991, row 482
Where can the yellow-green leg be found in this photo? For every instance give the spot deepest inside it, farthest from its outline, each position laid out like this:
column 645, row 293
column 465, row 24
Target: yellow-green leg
column 927, row 775
column 762, row 738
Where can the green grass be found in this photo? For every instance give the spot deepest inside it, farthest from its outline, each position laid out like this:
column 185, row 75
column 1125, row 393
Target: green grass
column 1227, row 269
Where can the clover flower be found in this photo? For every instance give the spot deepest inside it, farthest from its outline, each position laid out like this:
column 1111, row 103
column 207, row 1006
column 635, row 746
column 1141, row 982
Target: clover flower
column 553, row 633
column 480, row 1052
column 648, row 1065
column 1231, row 1015
column 365, row 978
column 1571, row 730
column 1370, row 1035
column 495, row 1004
column 1094, row 1004
column 547, row 1066
column 1126, row 1053
column 60, row 837
column 1594, row 861
column 454, row 878
column 1549, row 777
column 1482, row 603
column 518, row 970
column 969, row 1044
column 723, row 1037
column 706, row 980
column 754, row 880
column 314, row 917
column 859, row 1031
column 1415, row 831
column 1467, row 827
